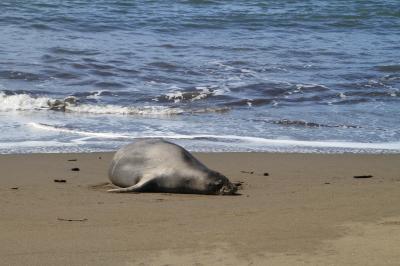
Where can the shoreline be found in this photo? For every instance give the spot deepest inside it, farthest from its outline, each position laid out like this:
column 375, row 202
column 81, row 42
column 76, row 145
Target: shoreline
column 308, row 209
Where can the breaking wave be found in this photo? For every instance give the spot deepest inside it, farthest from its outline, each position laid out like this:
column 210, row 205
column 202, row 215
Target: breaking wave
column 128, row 110
column 22, row 102
column 199, row 93
column 26, row 102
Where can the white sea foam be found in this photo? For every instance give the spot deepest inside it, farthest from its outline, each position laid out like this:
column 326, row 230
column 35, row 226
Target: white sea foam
column 95, row 95
column 22, row 102
column 220, row 64
column 258, row 141
column 25, row 102
column 123, row 110
column 177, row 95
column 309, row 86
column 244, row 70
column 79, row 132
column 393, row 92
column 204, row 92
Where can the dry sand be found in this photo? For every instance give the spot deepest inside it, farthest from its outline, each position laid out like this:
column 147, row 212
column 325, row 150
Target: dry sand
column 309, row 210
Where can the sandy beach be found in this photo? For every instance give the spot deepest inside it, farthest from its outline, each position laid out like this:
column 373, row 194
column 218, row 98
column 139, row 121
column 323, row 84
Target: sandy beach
column 294, row 209
column 296, row 102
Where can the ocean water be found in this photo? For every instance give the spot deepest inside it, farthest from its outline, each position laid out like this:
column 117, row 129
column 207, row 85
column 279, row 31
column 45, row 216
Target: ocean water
column 292, row 76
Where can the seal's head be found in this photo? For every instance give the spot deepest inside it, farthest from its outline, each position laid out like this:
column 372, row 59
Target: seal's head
column 219, row 184
column 228, row 189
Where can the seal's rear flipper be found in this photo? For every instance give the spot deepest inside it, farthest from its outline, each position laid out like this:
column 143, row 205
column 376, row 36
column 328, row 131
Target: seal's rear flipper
column 135, row 188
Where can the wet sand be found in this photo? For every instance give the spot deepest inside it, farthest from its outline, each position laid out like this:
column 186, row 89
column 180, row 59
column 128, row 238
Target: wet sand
column 294, row 209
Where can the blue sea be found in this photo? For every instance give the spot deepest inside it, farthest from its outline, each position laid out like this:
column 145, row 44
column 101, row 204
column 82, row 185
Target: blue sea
column 278, row 76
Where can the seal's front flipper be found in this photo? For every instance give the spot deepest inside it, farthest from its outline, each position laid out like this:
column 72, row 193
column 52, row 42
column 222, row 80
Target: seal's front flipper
column 135, row 188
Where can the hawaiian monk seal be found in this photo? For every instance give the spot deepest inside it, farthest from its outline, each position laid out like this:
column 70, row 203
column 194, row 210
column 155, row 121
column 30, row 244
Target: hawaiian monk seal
column 155, row 165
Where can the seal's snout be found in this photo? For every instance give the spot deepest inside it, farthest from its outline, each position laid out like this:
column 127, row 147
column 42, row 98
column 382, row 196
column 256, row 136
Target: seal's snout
column 228, row 189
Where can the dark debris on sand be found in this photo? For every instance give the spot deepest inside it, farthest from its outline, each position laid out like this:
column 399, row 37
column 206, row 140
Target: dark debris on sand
column 362, row 176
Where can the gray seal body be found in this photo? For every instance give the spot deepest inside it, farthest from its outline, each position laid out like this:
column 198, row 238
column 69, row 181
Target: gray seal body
column 156, row 165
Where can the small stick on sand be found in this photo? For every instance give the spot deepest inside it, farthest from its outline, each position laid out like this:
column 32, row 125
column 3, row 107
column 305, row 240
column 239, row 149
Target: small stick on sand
column 246, row 172
column 362, row 176
column 72, row 220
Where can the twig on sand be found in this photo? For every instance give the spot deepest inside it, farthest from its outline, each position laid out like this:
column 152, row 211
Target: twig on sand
column 362, row 176
column 72, row 220
column 247, row 172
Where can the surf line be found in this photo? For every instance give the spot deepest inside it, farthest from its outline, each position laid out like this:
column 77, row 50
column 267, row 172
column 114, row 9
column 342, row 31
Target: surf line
column 253, row 140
